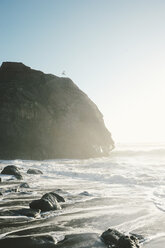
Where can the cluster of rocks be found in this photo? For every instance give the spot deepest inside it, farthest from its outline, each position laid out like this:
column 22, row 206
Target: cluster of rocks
column 14, row 171
column 51, row 202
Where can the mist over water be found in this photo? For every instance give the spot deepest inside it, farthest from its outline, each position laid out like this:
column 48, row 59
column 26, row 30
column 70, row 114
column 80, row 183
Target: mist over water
column 125, row 191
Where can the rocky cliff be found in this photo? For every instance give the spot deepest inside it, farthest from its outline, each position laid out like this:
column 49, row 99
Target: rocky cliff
column 43, row 116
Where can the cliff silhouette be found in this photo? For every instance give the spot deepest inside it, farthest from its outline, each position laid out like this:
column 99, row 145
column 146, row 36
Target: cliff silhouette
column 43, row 116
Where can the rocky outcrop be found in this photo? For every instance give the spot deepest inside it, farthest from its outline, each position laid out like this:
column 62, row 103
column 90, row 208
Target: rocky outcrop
column 44, row 117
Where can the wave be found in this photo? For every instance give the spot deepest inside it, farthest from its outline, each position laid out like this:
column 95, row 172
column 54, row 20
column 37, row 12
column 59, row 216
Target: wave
column 129, row 152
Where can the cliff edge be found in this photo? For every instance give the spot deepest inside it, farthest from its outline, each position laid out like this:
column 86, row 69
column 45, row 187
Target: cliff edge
column 43, row 116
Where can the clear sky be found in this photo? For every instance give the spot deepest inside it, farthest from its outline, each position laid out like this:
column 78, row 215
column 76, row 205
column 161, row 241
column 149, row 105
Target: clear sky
column 114, row 50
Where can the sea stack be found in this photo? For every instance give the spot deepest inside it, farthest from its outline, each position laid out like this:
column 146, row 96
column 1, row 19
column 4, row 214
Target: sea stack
column 43, row 116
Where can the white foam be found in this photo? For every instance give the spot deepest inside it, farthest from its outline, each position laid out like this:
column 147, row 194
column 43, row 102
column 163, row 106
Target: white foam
column 134, row 180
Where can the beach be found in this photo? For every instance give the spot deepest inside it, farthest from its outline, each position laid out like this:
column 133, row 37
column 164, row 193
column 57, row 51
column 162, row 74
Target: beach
column 125, row 191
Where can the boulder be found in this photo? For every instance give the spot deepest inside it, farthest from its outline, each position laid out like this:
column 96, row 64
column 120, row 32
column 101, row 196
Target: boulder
column 23, row 211
column 43, row 116
column 128, row 242
column 24, row 185
column 81, row 240
column 40, row 241
column 48, row 202
column 113, row 238
column 58, row 197
column 85, row 193
column 28, row 212
column 12, row 170
column 34, row 171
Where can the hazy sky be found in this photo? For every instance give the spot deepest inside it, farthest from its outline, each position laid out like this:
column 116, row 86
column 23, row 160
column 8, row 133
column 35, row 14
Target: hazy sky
column 114, row 50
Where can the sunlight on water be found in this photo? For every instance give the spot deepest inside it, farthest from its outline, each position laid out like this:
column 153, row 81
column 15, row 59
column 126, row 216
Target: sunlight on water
column 125, row 191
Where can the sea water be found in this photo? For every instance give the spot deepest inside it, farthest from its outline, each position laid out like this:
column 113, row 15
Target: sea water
column 125, row 191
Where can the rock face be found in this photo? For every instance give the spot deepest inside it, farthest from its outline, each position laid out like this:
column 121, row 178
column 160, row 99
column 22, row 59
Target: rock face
column 43, row 116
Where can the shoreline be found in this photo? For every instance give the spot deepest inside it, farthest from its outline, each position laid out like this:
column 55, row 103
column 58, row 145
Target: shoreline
column 91, row 206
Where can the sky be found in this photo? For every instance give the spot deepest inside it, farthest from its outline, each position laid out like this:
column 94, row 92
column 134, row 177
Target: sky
column 114, row 50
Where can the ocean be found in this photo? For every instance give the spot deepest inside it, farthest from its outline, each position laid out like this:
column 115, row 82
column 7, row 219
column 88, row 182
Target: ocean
column 125, row 191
